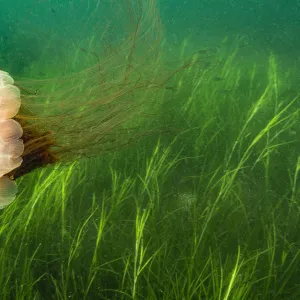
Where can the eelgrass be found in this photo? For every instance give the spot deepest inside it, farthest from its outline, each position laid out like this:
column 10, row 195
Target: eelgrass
column 211, row 215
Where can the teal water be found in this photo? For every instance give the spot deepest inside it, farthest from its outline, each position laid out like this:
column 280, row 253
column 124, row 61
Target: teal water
column 265, row 26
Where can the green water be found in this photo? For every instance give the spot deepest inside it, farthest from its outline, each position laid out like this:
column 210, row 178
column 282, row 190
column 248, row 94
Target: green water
column 204, row 204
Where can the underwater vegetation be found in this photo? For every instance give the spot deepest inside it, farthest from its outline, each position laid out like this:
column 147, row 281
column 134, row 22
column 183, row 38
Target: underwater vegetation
column 152, row 173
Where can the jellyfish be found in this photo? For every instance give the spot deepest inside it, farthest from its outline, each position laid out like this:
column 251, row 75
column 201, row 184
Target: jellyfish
column 89, row 110
column 11, row 146
column 86, row 112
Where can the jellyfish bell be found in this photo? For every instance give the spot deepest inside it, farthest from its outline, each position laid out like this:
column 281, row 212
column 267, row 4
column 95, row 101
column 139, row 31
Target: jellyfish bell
column 8, row 191
column 9, row 163
column 10, row 101
column 10, row 130
column 5, row 79
column 11, row 146
column 14, row 148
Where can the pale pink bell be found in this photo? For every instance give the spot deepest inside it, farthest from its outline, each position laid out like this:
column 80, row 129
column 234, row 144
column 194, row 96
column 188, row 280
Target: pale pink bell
column 10, row 130
column 8, row 191
column 11, row 146
column 10, row 101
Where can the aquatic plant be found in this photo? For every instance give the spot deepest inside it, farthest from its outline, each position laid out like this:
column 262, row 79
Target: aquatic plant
column 210, row 214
